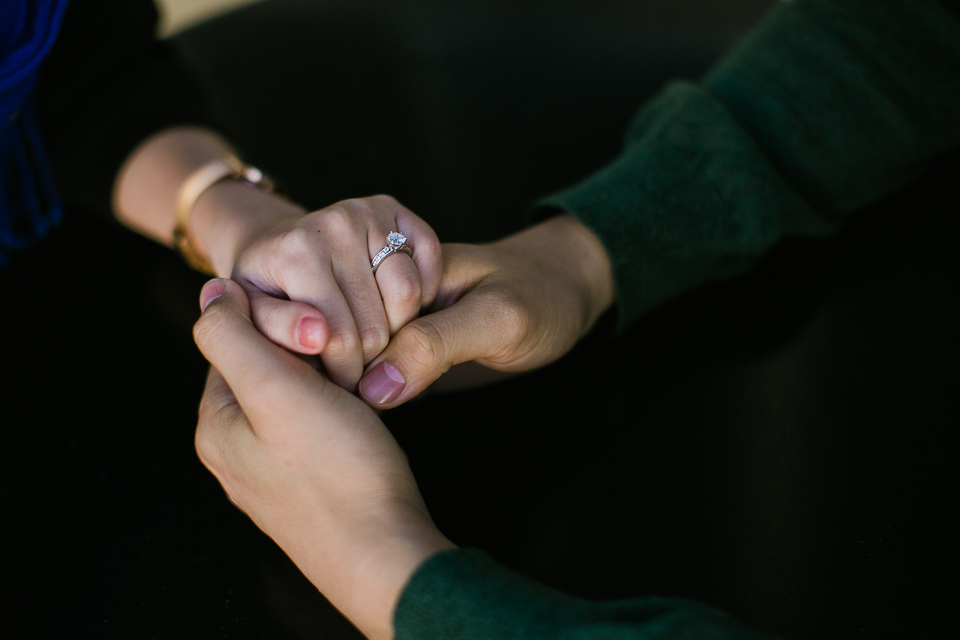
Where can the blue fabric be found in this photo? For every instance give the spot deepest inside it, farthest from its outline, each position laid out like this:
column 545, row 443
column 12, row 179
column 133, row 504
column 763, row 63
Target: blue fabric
column 29, row 206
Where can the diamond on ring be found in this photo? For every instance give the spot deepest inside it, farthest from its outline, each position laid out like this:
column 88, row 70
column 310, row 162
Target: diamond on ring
column 396, row 241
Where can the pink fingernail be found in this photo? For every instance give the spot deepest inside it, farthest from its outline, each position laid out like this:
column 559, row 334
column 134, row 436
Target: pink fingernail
column 382, row 384
column 210, row 292
column 308, row 333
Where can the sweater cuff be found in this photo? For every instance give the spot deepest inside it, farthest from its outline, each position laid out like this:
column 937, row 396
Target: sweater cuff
column 462, row 594
column 691, row 199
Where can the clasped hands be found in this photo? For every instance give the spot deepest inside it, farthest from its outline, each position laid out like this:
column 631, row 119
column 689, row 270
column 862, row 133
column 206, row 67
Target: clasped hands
column 305, row 456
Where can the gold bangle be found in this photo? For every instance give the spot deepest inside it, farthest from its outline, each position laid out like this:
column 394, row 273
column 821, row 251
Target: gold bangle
column 196, row 184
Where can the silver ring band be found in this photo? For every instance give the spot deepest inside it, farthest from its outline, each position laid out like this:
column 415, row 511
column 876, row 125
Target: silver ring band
column 395, row 242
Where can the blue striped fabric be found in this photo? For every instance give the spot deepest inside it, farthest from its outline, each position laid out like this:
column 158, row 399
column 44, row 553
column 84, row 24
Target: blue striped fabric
column 29, row 206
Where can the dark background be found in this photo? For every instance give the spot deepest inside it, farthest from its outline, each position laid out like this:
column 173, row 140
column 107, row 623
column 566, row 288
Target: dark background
column 778, row 445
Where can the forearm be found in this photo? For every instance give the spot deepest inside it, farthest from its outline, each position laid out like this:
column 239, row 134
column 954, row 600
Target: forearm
column 827, row 107
column 847, row 100
column 147, row 186
column 464, row 595
column 149, row 183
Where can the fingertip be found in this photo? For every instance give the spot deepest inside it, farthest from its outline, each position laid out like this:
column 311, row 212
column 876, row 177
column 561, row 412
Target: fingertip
column 224, row 289
column 211, row 291
column 312, row 334
column 223, row 302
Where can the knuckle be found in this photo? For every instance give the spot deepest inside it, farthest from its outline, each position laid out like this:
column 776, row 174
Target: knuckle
column 296, row 242
column 374, row 339
column 210, row 327
column 342, row 345
column 363, row 206
column 293, row 257
column 406, row 291
column 513, row 314
column 423, row 344
column 269, row 319
column 385, row 200
column 207, row 442
column 337, row 220
column 429, row 246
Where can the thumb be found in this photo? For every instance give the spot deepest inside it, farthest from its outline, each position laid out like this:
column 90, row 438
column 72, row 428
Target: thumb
column 269, row 382
column 473, row 328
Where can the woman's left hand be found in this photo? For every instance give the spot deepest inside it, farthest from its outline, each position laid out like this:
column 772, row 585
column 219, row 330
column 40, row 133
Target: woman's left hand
column 311, row 464
column 308, row 277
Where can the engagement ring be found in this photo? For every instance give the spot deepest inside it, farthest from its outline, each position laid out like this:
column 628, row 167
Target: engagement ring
column 395, row 242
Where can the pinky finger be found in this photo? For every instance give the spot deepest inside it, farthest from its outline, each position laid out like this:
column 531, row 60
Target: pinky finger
column 296, row 326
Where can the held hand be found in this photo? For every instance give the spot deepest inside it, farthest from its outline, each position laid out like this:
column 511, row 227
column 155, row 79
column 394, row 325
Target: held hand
column 308, row 276
column 311, row 465
column 309, row 279
column 511, row 306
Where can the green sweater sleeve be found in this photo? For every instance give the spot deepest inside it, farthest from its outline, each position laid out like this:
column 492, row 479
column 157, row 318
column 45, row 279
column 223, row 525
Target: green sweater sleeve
column 464, row 595
column 828, row 106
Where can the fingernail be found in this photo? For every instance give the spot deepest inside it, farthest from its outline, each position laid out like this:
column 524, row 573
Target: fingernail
column 210, row 292
column 308, row 333
column 382, row 384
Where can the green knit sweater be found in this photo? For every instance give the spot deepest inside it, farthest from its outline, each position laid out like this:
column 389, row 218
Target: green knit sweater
column 827, row 107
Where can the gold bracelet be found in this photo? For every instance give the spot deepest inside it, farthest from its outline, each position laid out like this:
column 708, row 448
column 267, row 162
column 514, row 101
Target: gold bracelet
column 228, row 168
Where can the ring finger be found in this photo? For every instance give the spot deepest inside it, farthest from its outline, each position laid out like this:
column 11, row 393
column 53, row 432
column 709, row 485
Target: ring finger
column 398, row 279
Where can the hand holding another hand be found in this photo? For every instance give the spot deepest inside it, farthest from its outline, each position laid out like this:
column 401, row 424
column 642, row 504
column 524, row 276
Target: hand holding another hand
column 316, row 469
column 308, row 277
column 311, row 464
column 513, row 305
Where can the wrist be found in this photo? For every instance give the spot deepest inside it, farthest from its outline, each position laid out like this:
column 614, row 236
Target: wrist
column 572, row 252
column 369, row 563
column 590, row 265
column 228, row 215
column 385, row 572
column 149, row 182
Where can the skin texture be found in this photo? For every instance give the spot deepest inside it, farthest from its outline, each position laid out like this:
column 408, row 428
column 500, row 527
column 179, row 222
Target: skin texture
column 307, row 460
column 321, row 263
column 510, row 306
column 307, row 275
column 314, row 467
column 311, row 464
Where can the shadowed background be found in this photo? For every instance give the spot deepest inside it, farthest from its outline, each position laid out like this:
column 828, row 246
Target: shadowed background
column 776, row 445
